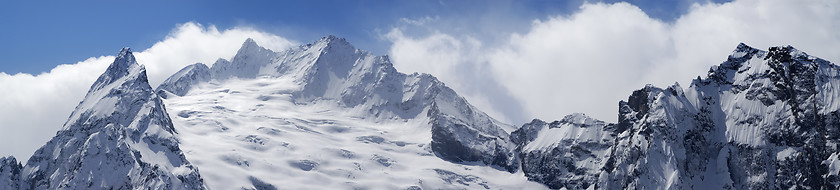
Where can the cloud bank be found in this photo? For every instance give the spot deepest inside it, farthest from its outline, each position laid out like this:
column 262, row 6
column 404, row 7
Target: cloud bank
column 35, row 106
column 589, row 60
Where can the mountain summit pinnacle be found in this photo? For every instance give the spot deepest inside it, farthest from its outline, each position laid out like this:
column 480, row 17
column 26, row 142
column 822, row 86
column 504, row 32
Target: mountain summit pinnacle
column 331, row 42
column 118, row 137
column 124, row 59
column 122, row 66
column 250, row 47
column 247, row 61
column 249, row 43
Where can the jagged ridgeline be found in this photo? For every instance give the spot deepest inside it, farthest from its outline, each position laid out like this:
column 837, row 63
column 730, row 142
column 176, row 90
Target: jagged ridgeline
column 760, row 120
column 121, row 136
column 332, row 69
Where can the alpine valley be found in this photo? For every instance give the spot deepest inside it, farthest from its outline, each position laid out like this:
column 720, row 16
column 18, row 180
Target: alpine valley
column 326, row 115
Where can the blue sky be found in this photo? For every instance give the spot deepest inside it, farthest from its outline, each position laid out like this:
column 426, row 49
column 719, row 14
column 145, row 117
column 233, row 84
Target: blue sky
column 36, row 35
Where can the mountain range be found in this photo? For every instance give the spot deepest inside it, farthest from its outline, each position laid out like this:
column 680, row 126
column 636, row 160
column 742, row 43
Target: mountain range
column 328, row 115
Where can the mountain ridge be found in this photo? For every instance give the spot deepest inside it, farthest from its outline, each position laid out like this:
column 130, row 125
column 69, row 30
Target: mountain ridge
column 774, row 109
column 332, row 69
column 755, row 121
column 331, row 72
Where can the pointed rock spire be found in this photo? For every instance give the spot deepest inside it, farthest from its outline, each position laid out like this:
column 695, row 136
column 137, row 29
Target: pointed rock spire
column 333, row 43
column 249, row 44
column 742, row 47
column 246, row 63
column 119, row 137
column 249, row 48
column 122, row 76
column 10, row 170
column 743, row 51
column 124, row 65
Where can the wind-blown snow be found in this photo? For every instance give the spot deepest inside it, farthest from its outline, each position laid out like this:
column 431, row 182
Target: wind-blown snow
column 327, row 111
column 243, row 133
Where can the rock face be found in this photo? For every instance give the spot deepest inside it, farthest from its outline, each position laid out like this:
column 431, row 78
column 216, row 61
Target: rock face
column 760, row 120
column 776, row 113
column 655, row 138
column 119, row 137
column 182, row 81
column 10, row 171
column 564, row 154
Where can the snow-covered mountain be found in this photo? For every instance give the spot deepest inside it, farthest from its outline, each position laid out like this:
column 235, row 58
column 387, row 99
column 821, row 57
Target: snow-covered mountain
column 328, row 115
column 332, row 70
column 119, row 137
column 760, row 120
column 341, row 100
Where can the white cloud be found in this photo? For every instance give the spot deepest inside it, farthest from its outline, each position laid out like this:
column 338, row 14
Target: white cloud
column 35, row 106
column 458, row 62
column 582, row 63
column 589, row 60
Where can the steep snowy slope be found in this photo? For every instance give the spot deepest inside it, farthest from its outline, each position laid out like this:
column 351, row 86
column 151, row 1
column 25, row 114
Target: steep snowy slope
column 251, row 133
column 333, row 75
column 119, row 136
column 334, row 72
column 779, row 111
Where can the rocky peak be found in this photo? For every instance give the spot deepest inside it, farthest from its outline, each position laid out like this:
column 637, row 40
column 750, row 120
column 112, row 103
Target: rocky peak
column 250, row 51
column 124, row 60
column 249, row 43
column 638, row 101
column 580, row 120
column 246, row 63
column 743, row 50
column 121, row 128
column 333, row 42
column 250, row 47
column 123, row 66
column 336, row 53
column 124, row 79
column 10, row 170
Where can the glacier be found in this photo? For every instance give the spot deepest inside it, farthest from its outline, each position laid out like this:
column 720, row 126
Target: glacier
column 401, row 123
